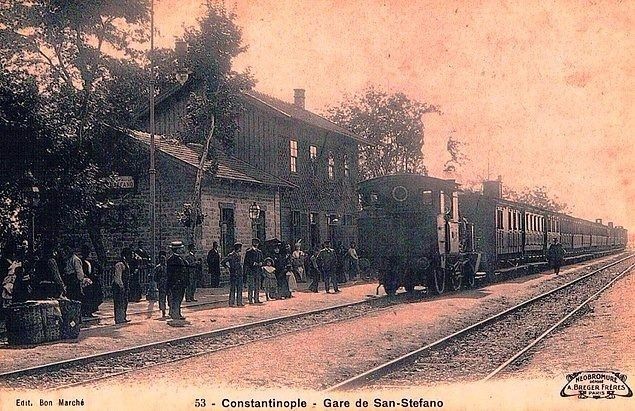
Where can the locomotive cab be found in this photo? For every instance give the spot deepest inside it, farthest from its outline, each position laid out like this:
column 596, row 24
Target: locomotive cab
column 411, row 230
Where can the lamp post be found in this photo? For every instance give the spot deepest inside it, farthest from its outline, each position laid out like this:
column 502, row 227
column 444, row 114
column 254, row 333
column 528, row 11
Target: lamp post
column 34, row 198
column 152, row 171
column 254, row 213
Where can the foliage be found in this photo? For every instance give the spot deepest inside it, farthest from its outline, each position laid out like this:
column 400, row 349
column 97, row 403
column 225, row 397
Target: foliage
column 457, row 157
column 212, row 46
column 213, row 106
column 537, row 196
column 57, row 48
column 393, row 123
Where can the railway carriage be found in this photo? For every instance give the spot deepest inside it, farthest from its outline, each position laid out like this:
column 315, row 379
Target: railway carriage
column 420, row 230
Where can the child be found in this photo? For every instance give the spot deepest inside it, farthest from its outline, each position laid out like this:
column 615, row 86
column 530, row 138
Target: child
column 293, row 285
column 270, row 282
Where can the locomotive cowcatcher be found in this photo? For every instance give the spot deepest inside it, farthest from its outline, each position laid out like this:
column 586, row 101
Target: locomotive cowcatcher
column 410, row 230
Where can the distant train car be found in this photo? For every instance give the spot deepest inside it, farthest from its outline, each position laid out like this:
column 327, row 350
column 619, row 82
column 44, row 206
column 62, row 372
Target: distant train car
column 418, row 230
column 410, row 230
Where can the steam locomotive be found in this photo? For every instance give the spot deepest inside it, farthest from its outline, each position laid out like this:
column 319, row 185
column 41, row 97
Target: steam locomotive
column 420, row 230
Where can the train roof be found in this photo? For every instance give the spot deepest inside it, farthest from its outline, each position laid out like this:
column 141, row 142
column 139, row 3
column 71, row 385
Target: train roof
column 426, row 181
column 505, row 201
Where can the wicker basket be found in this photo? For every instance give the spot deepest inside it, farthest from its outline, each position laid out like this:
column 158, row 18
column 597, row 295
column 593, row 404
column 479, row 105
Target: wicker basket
column 71, row 318
column 33, row 322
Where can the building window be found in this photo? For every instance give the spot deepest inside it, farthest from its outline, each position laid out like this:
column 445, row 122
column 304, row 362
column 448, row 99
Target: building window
column 499, row 219
column 293, row 145
column 313, row 153
column 331, row 166
column 347, row 171
column 227, row 228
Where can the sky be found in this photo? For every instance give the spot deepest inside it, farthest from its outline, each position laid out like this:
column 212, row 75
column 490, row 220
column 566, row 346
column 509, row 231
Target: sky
column 540, row 92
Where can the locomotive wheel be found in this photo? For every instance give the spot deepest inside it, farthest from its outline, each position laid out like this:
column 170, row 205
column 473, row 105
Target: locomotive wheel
column 456, row 278
column 437, row 281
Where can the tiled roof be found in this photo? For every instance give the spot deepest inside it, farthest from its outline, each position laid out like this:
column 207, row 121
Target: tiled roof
column 229, row 167
column 292, row 111
column 284, row 108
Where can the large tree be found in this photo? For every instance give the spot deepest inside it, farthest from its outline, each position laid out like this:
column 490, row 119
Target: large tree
column 537, row 196
column 213, row 105
column 61, row 46
column 392, row 123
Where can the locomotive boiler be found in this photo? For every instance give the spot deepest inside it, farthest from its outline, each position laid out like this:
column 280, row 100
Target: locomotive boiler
column 411, row 231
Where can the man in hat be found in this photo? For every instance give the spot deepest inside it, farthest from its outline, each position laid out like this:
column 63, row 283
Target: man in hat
column 192, row 273
column 234, row 263
column 327, row 261
column 555, row 255
column 253, row 268
column 176, row 283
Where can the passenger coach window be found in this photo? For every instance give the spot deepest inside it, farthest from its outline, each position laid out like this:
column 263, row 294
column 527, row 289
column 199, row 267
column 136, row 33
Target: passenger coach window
column 426, row 196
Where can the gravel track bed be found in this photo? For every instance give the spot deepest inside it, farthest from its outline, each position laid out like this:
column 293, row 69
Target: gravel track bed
column 474, row 355
column 72, row 374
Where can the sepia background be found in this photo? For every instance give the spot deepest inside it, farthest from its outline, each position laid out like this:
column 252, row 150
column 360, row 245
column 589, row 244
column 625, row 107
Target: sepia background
column 539, row 91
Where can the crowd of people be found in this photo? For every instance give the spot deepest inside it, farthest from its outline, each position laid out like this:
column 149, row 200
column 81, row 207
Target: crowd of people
column 276, row 275
column 52, row 272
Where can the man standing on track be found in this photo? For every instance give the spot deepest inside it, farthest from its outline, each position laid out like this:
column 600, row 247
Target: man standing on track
column 555, row 255
column 176, row 283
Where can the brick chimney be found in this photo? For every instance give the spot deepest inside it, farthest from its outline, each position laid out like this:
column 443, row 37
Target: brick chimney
column 298, row 97
column 493, row 188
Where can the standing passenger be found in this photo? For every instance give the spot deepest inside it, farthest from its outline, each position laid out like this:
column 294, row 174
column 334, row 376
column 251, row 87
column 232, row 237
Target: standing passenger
column 327, row 261
column 555, row 255
column 213, row 265
column 73, row 274
column 176, row 282
column 192, row 273
column 314, row 271
column 270, row 284
column 121, row 286
column 234, row 263
column 253, row 268
column 161, row 278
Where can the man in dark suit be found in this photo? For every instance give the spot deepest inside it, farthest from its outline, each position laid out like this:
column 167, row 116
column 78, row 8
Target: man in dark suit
column 327, row 261
column 233, row 261
column 177, row 269
column 253, row 265
column 213, row 265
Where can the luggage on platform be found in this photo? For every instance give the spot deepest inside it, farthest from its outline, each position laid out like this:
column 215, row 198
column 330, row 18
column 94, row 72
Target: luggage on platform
column 33, row 322
column 71, row 318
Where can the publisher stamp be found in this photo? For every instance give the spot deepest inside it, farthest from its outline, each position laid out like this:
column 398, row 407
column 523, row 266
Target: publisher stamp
column 596, row 385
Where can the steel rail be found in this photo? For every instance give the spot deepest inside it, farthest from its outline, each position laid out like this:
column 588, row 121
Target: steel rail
column 392, row 365
column 156, row 344
column 78, row 361
column 542, row 336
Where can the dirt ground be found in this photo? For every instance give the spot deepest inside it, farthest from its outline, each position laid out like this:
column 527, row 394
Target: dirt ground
column 602, row 339
column 319, row 357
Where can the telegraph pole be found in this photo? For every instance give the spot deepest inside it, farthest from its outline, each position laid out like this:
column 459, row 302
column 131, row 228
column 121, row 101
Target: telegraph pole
column 152, row 171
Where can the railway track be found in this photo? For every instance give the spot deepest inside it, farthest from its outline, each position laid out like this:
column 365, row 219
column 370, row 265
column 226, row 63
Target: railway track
column 93, row 368
column 89, row 369
column 487, row 348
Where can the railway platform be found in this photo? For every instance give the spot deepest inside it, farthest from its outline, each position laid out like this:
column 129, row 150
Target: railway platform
column 211, row 313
